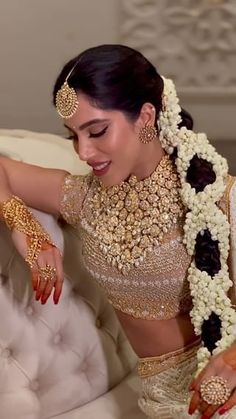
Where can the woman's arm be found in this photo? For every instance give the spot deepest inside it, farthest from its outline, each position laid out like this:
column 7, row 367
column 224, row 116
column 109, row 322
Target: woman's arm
column 50, row 190
column 38, row 187
column 23, row 185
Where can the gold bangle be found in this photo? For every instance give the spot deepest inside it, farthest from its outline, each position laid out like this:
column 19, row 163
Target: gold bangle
column 18, row 216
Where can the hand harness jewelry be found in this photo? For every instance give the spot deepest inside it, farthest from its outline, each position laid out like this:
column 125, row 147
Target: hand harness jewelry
column 18, row 216
column 47, row 274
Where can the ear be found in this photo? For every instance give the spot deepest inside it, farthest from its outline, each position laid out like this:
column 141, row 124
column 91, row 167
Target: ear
column 147, row 115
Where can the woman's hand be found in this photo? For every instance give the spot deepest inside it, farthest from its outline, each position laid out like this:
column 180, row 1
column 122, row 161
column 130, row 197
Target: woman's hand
column 222, row 365
column 47, row 271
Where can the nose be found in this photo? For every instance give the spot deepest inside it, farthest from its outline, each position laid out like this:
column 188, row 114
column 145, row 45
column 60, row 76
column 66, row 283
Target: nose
column 85, row 149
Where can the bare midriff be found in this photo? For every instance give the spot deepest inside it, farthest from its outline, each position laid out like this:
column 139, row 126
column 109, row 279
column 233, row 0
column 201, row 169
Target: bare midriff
column 157, row 337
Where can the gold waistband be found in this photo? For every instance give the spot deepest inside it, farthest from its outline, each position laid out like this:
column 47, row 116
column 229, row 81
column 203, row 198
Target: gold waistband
column 150, row 366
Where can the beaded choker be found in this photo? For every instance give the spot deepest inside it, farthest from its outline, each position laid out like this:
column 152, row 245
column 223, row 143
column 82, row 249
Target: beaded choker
column 131, row 218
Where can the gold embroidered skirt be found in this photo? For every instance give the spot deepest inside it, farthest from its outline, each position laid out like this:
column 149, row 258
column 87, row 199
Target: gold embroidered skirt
column 165, row 383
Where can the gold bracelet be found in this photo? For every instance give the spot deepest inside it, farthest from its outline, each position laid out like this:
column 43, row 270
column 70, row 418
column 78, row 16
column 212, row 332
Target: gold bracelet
column 17, row 215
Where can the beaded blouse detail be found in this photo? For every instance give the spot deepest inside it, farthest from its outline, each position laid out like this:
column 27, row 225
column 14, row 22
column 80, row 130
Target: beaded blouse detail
column 156, row 289
column 132, row 240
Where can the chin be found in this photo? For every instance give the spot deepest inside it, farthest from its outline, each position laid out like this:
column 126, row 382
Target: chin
column 109, row 181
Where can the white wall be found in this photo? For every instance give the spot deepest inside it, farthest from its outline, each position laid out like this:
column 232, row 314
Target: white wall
column 193, row 42
column 36, row 38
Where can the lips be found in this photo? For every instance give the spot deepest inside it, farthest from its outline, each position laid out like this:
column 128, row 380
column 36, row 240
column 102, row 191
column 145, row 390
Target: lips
column 100, row 168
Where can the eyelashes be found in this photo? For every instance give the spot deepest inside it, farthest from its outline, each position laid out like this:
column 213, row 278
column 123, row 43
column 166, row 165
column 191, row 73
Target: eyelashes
column 71, row 137
column 91, row 135
column 98, row 134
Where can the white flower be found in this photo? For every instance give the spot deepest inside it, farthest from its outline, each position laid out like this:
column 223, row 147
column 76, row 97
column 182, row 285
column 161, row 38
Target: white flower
column 209, row 294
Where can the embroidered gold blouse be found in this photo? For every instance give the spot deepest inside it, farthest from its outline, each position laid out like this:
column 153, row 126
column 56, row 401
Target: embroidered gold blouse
column 155, row 289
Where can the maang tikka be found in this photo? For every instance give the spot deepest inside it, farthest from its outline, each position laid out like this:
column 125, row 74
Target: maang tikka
column 66, row 99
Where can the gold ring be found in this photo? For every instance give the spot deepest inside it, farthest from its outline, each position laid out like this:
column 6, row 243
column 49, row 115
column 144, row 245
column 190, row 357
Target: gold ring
column 215, row 391
column 48, row 273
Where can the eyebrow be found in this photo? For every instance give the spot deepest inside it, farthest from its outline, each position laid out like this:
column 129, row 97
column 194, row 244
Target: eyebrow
column 88, row 124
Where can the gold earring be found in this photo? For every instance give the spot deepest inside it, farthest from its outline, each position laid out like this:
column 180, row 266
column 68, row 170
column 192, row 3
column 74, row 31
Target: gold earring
column 147, row 134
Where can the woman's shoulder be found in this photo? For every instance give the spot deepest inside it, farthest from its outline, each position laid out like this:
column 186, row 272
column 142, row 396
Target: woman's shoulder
column 232, row 196
column 73, row 182
column 230, row 190
column 74, row 191
column 225, row 202
column 229, row 198
column 231, row 179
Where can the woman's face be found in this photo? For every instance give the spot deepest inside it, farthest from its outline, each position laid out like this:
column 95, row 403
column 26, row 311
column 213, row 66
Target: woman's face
column 107, row 141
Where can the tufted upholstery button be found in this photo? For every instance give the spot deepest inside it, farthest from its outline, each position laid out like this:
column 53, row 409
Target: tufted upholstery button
column 98, row 323
column 3, row 279
column 29, row 311
column 73, row 343
column 34, row 385
column 118, row 344
column 84, row 367
column 57, row 339
column 6, row 353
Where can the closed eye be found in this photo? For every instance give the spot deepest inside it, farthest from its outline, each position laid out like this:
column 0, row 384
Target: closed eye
column 71, row 136
column 98, row 134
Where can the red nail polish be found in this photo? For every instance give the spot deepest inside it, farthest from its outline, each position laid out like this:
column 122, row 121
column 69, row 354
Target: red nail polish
column 223, row 410
column 190, row 411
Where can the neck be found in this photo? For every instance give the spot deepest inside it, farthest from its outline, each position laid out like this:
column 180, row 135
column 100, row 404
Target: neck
column 150, row 158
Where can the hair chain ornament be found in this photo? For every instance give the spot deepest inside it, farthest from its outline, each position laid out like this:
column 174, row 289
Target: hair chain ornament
column 209, row 293
column 66, row 99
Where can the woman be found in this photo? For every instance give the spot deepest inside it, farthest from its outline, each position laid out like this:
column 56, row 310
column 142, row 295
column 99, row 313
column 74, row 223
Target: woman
column 153, row 219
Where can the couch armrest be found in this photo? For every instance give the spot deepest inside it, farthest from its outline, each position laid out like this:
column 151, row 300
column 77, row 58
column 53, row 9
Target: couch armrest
column 54, row 358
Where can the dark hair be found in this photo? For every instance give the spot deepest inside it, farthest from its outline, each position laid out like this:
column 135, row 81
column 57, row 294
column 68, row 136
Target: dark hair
column 116, row 77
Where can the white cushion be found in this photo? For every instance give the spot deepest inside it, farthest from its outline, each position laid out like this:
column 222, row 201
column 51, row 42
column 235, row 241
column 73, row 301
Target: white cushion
column 54, row 358
column 119, row 403
column 43, row 149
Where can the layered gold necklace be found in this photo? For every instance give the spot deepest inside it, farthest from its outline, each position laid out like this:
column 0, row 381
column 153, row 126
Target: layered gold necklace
column 131, row 218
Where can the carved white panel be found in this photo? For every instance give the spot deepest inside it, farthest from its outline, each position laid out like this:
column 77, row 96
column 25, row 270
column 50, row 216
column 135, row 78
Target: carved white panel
column 192, row 41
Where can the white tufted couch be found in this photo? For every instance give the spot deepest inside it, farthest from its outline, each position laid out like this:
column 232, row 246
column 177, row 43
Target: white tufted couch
column 70, row 361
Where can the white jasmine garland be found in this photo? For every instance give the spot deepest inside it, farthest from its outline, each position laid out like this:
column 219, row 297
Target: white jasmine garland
column 207, row 216
column 169, row 117
column 209, row 294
